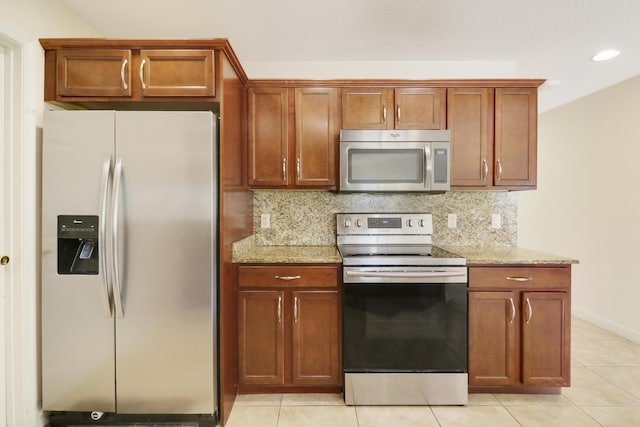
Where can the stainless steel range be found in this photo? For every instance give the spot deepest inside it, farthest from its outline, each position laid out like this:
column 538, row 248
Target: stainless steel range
column 404, row 312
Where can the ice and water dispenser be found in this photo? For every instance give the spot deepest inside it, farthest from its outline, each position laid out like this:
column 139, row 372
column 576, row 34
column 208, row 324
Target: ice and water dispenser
column 78, row 244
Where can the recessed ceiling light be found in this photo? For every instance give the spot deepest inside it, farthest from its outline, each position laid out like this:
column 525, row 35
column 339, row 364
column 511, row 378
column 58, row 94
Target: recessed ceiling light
column 605, row 55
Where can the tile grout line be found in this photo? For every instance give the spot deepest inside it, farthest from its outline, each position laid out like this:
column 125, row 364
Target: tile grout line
column 507, row 409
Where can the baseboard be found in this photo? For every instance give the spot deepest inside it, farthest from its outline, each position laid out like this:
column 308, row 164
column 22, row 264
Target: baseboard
column 607, row 324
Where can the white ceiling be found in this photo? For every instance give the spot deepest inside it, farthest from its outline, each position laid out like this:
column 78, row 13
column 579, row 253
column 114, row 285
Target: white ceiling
column 413, row 39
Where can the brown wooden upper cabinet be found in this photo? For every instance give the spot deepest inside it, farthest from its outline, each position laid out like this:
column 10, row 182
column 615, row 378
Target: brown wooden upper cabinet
column 388, row 108
column 493, row 137
column 134, row 75
column 293, row 137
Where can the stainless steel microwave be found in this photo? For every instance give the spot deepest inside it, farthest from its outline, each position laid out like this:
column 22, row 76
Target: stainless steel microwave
column 395, row 160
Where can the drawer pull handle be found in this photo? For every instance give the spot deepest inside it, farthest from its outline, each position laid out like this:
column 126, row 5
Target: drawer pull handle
column 513, row 311
column 288, row 277
column 529, row 311
column 519, row 279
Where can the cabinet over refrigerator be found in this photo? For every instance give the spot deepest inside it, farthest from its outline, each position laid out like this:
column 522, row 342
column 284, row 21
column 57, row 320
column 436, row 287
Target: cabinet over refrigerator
column 129, row 264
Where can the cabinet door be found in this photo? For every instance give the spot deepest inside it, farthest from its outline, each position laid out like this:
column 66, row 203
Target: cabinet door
column 515, row 137
column 545, row 339
column 177, row 72
column 420, row 108
column 470, row 122
column 260, row 337
column 316, row 352
column 367, row 108
column 268, row 137
column 493, row 321
column 93, row 72
column 317, row 134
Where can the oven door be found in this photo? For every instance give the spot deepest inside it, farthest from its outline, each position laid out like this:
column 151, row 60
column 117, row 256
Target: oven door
column 405, row 327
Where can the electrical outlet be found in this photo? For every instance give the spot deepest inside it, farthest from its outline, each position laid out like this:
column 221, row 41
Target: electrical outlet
column 265, row 220
column 452, row 220
column 496, row 221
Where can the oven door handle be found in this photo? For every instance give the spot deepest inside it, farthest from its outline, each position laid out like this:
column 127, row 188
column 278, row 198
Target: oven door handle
column 405, row 274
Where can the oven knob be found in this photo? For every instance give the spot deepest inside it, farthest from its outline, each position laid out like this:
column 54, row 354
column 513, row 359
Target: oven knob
column 358, row 223
column 410, row 222
column 347, row 223
column 421, row 222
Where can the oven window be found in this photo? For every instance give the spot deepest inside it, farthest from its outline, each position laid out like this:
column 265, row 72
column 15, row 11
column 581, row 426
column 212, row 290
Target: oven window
column 386, row 166
column 405, row 327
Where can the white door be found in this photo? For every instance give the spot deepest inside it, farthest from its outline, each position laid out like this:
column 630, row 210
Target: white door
column 3, row 243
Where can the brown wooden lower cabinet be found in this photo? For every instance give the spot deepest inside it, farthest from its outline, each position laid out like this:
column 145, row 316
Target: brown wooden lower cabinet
column 519, row 327
column 288, row 337
column 260, row 337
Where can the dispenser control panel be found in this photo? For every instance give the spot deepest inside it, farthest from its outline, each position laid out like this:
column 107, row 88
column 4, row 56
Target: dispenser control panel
column 78, row 244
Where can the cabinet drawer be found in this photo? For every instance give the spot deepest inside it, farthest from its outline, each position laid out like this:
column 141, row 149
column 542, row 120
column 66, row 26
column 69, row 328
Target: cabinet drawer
column 294, row 276
column 520, row 277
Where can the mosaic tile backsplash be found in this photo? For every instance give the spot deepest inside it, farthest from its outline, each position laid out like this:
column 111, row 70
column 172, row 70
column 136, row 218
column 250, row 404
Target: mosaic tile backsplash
column 308, row 217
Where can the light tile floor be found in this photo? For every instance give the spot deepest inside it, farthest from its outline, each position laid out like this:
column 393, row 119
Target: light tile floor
column 605, row 391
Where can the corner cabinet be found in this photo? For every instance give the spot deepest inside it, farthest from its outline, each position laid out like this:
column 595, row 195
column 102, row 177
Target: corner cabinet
column 293, row 137
column 388, row 108
column 493, row 137
column 519, row 327
column 289, row 328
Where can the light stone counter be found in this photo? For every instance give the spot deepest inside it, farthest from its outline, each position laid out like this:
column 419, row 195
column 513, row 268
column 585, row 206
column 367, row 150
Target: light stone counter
column 246, row 251
column 506, row 255
column 289, row 254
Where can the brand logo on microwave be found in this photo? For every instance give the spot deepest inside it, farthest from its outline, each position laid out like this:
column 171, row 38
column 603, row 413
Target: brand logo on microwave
column 395, row 134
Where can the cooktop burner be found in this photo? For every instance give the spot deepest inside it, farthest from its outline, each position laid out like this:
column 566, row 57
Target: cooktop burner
column 388, row 250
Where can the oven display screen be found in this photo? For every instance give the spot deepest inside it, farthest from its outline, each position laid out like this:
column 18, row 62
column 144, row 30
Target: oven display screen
column 384, row 222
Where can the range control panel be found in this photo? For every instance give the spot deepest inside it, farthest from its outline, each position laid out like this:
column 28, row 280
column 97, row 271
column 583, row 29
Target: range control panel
column 384, row 223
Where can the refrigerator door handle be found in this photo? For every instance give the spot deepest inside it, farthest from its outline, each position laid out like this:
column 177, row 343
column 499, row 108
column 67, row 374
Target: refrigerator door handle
column 117, row 182
column 102, row 234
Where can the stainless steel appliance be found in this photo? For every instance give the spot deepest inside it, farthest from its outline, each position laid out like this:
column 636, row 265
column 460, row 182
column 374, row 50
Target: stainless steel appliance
column 129, row 264
column 395, row 160
column 404, row 313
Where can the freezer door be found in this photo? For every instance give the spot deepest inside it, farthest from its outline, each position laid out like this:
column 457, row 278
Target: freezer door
column 166, row 260
column 77, row 328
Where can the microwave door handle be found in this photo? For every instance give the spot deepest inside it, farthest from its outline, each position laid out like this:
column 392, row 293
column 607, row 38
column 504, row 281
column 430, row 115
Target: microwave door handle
column 428, row 170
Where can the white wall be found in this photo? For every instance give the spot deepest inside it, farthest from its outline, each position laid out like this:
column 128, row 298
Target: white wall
column 30, row 20
column 587, row 205
column 22, row 23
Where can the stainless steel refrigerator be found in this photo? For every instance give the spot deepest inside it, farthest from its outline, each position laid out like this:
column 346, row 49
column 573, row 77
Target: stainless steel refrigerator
column 129, row 230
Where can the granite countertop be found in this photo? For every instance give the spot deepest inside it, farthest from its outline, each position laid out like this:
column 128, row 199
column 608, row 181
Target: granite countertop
column 506, row 255
column 289, row 254
column 246, row 251
column 329, row 255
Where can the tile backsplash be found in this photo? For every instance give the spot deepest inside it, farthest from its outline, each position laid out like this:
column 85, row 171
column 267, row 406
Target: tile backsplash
column 308, row 217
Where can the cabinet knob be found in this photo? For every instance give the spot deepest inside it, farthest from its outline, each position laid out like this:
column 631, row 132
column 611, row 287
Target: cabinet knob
column 4, row 260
